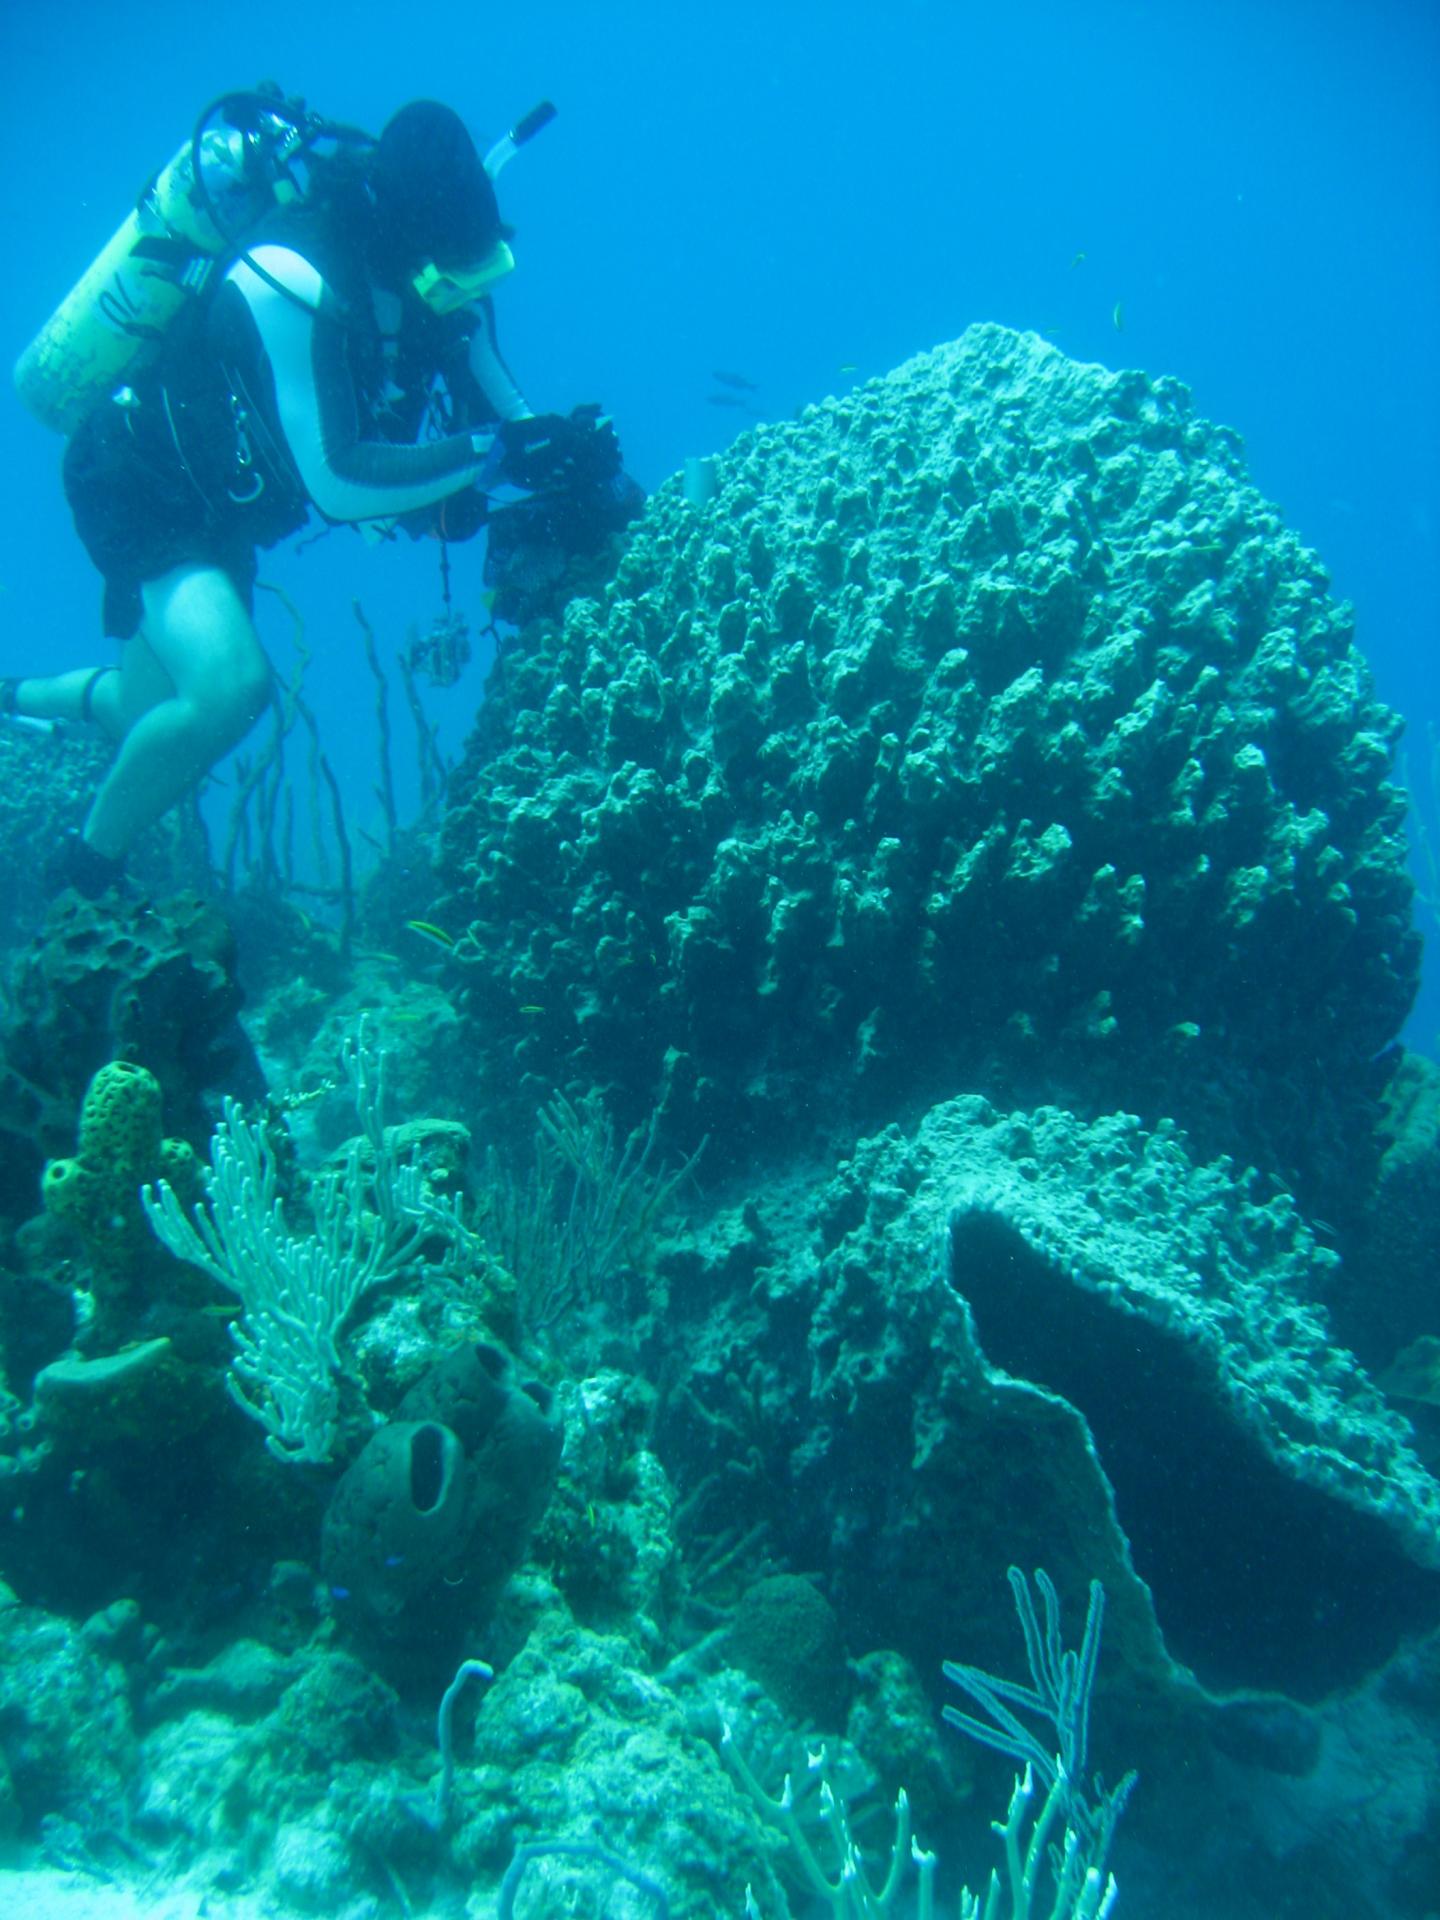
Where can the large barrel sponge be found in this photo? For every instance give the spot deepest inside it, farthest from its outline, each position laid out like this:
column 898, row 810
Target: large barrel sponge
column 986, row 717
column 398, row 1519
column 434, row 1514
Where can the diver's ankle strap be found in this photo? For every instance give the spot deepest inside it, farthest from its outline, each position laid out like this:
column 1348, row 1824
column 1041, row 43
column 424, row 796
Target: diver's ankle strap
column 88, row 693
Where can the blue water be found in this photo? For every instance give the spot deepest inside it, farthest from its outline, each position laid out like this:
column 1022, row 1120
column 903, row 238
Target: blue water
column 786, row 191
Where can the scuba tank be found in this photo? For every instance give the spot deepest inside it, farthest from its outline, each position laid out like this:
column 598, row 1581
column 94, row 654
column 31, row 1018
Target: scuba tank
column 249, row 154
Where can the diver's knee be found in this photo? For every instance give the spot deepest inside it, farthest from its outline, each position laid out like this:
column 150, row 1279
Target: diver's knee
column 246, row 695
column 221, row 718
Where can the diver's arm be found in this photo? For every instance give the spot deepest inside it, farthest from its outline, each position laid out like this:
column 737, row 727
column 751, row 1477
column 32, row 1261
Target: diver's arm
column 347, row 477
column 490, row 372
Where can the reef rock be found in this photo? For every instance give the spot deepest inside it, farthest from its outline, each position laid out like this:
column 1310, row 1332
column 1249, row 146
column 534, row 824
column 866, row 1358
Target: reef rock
column 48, row 774
column 129, row 979
column 1070, row 1344
column 987, row 728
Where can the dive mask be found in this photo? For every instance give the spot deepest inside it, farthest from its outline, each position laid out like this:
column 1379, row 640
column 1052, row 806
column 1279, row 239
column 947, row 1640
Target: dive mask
column 447, row 289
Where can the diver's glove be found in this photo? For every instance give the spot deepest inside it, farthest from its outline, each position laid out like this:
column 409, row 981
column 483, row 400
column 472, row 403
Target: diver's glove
column 558, row 453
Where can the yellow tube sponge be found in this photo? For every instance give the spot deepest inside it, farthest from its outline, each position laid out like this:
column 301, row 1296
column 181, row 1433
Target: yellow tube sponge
column 120, row 1120
column 121, row 1147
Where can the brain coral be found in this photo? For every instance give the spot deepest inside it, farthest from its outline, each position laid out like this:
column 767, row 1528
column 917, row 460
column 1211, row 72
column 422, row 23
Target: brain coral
column 986, row 728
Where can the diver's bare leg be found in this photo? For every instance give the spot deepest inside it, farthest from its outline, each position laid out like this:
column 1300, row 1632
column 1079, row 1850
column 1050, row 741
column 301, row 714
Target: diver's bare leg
column 192, row 686
column 61, row 696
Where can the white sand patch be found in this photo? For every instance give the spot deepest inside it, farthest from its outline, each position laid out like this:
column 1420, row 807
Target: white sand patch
column 43, row 1893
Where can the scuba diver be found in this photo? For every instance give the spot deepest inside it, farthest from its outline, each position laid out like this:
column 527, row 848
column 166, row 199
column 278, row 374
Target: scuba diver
column 341, row 358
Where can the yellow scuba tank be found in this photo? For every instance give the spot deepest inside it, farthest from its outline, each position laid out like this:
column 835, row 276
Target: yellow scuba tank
column 238, row 165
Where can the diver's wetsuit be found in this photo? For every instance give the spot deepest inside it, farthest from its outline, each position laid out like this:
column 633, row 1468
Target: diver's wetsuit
column 288, row 391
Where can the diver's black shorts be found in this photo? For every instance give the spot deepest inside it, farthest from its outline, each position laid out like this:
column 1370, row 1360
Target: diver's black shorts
column 140, row 513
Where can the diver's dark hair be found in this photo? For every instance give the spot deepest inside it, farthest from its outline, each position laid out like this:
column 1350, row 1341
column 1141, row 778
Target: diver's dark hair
column 433, row 197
